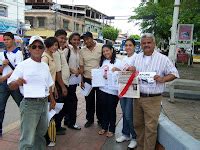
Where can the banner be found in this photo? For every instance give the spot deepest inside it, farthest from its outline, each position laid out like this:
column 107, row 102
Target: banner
column 185, row 32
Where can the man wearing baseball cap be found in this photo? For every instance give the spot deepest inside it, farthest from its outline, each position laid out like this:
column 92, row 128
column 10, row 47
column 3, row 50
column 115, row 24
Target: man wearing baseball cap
column 34, row 80
column 89, row 59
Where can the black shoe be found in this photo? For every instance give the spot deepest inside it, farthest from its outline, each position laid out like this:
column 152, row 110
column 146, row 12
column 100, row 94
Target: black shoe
column 88, row 124
column 62, row 129
column 60, row 132
column 75, row 127
column 99, row 123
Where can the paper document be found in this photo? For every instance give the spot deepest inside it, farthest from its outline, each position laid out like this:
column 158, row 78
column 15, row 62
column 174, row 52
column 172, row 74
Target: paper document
column 58, row 107
column 134, row 90
column 147, row 79
column 51, row 113
column 34, row 87
column 87, row 89
column 97, row 78
column 73, row 79
column 112, row 80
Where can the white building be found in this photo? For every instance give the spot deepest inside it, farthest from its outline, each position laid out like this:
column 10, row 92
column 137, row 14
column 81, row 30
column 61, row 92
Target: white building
column 11, row 15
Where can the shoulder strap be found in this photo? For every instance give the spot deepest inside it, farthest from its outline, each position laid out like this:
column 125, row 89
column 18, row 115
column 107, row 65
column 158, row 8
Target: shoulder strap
column 68, row 55
column 6, row 57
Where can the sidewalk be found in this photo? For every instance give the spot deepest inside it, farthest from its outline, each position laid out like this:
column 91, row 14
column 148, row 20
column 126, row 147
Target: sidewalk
column 184, row 113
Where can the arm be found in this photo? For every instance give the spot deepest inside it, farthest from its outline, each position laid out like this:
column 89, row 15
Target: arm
column 3, row 78
column 164, row 79
column 61, row 83
column 51, row 98
column 14, row 85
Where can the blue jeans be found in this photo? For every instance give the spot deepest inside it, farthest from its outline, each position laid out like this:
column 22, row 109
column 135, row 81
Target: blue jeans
column 34, row 123
column 5, row 92
column 127, row 110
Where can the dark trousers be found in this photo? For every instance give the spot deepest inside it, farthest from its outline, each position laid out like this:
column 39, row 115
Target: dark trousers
column 5, row 92
column 72, row 100
column 90, row 103
column 59, row 117
column 109, row 103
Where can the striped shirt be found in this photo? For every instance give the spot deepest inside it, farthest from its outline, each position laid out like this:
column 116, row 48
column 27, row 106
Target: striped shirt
column 158, row 63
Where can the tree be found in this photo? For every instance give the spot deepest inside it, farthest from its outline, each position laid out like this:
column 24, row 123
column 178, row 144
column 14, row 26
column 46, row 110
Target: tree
column 135, row 37
column 110, row 33
column 157, row 18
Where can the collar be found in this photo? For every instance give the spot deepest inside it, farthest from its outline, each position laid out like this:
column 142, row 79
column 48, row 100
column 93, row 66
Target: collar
column 154, row 52
column 14, row 51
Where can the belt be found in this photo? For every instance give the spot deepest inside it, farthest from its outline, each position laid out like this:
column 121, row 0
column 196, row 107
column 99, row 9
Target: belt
column 149, row 95
column 35, row 99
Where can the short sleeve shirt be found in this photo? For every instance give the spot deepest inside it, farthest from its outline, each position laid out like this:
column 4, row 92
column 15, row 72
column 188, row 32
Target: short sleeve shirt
column 15, row 57
column 51, row 63
column 31, row 67
column 90, row 59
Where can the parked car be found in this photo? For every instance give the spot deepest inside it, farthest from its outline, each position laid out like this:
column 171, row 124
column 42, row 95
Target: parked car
column 117, row 48
column 122, row 48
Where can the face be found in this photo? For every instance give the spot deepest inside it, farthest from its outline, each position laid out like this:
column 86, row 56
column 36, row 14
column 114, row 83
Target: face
column 88, row 41
column 129, row 47
column 75, row 41
column 53, row 48
column 8, row 41
column 36, row 49
column 62, row 39
column 107, row 53
column 147, row 45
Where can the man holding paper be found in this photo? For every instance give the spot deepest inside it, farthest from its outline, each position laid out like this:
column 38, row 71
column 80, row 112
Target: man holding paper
column 89, row 59
column 34, row 80
column 155, row 69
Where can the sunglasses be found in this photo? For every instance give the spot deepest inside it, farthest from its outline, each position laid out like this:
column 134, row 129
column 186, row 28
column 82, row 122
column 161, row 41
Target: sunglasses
column 39, row 46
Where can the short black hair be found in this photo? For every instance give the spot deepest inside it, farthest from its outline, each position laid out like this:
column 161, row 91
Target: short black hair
column 131, row 40
column 87, row 34
column 60, row 32
column 10, row 34
column 50, row 41
column 72, row 35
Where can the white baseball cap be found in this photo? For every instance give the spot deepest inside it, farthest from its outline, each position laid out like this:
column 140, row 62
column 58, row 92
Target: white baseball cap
column 35, row 38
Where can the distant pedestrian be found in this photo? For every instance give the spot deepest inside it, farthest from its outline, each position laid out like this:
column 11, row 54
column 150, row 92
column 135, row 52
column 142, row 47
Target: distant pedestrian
column 147, row 107
column 73, row 57
column 90, row 56
column 34, row 80
column 9, row 59
column 109, row 97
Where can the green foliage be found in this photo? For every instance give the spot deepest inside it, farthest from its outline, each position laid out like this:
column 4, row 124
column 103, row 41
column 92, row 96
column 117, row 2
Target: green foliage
column 110, row 33
column 157, row 18
column 135, row 37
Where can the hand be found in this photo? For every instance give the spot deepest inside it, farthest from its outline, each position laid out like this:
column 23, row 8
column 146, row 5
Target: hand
column 64, row 91
column 52, row 104
column 159, row 79
column 20, row 81
column 5, row 62
column 82, row 85
column 115, row 69
column 131, row 68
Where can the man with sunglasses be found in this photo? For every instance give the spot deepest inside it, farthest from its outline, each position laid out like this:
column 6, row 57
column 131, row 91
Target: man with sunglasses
column 34, row 80
column 9, row 59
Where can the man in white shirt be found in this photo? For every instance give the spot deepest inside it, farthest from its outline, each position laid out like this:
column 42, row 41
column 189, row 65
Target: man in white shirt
column 34, row 80
column 8, row 61
column 155, row 69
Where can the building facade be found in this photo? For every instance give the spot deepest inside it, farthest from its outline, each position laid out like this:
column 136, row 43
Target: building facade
column 11, row 15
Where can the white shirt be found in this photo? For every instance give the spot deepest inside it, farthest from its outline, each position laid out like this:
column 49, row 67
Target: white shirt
column 158, row 63
column 109, row 66
column 31, row 67
column 15, row 57
column 128, row 61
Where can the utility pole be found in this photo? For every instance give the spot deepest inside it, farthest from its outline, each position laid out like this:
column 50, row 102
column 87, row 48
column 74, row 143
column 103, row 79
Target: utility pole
column 17, row 17
column 172, row 49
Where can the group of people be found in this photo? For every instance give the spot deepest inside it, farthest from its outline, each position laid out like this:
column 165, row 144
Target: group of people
column 57, row 66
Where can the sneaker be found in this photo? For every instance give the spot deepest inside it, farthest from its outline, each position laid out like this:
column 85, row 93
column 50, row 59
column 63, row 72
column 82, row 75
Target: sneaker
column 132, row 144
column 75, row 127
column 122, row 139
column 88, row 124
column 52, row 144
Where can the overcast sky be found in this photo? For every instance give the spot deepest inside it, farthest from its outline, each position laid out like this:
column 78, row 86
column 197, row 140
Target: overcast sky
column 112, row 8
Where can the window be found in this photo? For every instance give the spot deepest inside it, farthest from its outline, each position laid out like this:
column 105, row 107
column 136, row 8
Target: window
column 30, row 20
column 65, row 24
column 41, row 22
column 77, row 27
column 3, row 11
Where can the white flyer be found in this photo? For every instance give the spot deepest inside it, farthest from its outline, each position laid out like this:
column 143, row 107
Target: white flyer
column 146, row 79
column 87, row 89
column 97, row 78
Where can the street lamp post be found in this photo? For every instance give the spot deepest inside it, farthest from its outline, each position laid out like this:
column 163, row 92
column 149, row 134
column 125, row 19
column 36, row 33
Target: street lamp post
column 172, row 49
